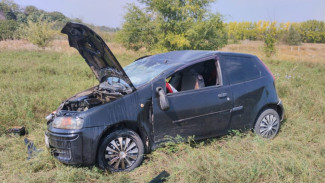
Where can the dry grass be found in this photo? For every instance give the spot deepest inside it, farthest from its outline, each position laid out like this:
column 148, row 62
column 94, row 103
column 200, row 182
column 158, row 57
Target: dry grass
column 62, row 46
column 314, row 53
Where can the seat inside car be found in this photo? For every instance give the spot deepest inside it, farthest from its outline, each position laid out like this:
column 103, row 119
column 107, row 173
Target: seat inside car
column 196, row 76
column 192, row 80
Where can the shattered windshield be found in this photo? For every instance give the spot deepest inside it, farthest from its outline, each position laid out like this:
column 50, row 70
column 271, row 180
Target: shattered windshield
column 144, row 70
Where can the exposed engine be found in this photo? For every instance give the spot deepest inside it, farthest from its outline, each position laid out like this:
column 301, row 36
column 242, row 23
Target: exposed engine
column 96, row 96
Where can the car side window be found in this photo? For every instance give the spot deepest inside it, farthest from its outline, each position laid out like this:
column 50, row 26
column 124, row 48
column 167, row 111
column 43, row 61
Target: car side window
column 196, row 76
column 240, row 69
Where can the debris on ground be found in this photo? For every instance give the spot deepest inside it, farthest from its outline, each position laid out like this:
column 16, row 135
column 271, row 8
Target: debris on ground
column 31, row 149
column 162, row 177
column 19, row 130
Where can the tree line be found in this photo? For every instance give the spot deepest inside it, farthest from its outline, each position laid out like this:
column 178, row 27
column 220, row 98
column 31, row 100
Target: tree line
column 311, row 31
column 36, row 25
column 13, row 17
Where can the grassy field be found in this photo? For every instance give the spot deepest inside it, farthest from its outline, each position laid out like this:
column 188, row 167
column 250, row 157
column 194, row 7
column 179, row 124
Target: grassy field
column 34, row 82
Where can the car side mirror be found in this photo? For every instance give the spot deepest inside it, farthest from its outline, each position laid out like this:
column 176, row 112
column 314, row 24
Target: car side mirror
column 163, row 101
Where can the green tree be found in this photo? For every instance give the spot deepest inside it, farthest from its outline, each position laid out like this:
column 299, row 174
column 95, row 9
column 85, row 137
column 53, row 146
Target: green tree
column 8, row 9
column 173, row 25
column 293, row 37
column 270, row 40
column 313, row 31
column 8, row 29
column 30, row 9
column 137, row 31
column 39, row 33
column 55, row 16
column 21, row 18
column 208, row 35
column 35, row 16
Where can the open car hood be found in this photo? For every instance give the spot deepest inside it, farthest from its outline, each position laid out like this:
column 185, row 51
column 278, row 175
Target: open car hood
column 95, row 52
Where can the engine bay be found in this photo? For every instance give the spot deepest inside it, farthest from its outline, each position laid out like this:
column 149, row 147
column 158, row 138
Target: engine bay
column 98, row 95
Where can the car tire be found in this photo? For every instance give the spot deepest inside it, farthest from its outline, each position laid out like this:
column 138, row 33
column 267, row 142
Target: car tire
column 121, row 151
column 267, row 124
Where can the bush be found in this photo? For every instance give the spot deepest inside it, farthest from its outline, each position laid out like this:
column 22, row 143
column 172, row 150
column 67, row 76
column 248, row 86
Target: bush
column 293, row 37
column 8, row 29
column 269, row 44
column 270, row 40
column 39, row 33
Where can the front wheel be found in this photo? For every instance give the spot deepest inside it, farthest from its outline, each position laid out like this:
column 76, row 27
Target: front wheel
column 267, row 124
column 122, row 150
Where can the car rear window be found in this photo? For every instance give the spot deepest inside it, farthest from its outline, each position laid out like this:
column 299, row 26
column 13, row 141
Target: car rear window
column 240, row 69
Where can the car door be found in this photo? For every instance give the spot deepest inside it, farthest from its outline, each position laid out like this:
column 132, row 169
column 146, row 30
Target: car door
column 201, row 113
column 247, row 88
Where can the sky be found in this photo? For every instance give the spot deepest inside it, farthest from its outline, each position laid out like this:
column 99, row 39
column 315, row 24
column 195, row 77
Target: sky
column 110, row 12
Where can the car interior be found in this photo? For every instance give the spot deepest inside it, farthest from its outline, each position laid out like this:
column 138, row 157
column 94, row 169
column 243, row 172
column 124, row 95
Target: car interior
column 196, row 76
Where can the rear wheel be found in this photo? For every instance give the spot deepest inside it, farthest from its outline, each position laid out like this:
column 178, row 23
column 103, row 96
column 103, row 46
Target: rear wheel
column 121, row 151
column 267, row 124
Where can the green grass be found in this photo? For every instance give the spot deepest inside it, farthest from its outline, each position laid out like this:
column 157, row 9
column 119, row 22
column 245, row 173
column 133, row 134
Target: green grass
column 33, row 84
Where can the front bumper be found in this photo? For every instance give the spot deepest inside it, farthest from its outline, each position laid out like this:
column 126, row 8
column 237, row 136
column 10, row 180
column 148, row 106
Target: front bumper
column 67, row 148
column 75, row 147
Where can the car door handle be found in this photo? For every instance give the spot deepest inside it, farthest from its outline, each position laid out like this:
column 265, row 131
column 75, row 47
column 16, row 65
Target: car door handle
column 238, row 108
column 222, row 95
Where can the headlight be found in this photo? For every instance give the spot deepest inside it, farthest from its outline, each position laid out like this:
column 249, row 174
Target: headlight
column 67, row 123
column 50, row 116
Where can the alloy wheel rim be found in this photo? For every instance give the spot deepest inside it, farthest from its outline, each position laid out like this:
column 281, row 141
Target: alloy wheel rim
column 269, row 126
column 121, row 153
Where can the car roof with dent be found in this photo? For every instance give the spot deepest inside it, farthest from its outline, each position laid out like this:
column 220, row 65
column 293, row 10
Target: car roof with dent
column 179, row 58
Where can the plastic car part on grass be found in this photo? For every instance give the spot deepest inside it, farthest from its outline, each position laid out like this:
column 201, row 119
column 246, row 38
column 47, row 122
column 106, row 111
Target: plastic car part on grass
column 32, row 151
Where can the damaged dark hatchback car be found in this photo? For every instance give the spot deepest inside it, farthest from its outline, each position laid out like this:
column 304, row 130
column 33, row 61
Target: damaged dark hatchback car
column 188, row 93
